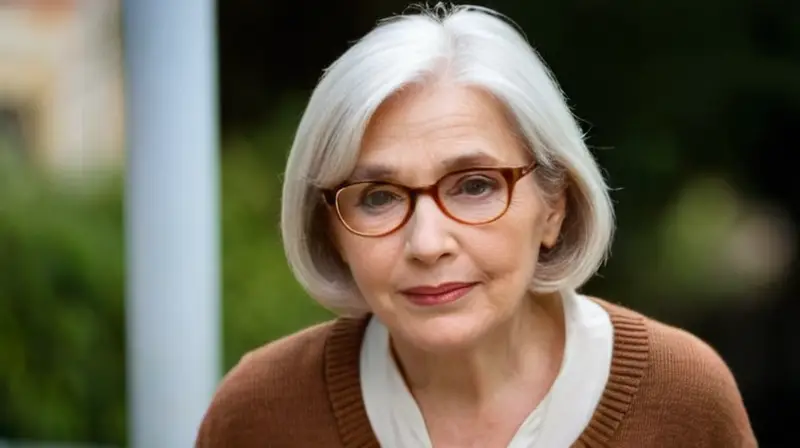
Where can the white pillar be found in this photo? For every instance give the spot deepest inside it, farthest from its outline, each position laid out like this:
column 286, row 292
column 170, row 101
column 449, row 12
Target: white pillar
column 171, row 222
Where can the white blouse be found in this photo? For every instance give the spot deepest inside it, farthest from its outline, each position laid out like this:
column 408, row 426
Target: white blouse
column 556, row 422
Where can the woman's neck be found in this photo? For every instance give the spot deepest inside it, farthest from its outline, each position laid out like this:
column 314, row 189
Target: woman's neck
column 526, row 351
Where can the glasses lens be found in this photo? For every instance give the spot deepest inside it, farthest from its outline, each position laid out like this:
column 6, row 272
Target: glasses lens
column 372, row 208
column 475, row 196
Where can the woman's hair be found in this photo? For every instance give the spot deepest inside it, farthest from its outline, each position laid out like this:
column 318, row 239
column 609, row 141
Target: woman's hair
column 472, row 46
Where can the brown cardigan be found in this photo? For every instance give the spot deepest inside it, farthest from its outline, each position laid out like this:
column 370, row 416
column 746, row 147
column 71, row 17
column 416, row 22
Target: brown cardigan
column 666, row 389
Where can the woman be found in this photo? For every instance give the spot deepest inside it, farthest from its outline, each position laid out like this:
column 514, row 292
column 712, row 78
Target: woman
column 440, row 198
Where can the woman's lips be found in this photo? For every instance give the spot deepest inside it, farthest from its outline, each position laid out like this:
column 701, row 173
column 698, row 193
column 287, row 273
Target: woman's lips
column 437, row 295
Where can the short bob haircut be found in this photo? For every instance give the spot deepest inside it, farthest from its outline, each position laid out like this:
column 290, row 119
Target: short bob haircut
column 471, row 45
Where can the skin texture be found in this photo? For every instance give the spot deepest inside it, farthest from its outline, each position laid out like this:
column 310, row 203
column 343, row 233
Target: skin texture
column 465, row 362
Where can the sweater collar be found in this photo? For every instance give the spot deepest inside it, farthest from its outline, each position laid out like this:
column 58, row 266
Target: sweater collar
column 628, row 363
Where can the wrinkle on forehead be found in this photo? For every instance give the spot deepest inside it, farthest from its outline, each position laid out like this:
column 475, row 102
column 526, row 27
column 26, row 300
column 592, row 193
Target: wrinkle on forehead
column 386, row 171
column 427, row 131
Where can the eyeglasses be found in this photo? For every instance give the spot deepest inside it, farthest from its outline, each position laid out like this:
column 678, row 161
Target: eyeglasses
column 473, row 196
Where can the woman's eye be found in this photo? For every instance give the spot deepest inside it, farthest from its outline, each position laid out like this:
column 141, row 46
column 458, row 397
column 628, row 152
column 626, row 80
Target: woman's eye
column 378, row 198
column 476, row 186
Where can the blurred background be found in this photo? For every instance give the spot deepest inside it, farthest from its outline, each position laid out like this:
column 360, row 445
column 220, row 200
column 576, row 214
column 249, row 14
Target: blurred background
column 691, row 107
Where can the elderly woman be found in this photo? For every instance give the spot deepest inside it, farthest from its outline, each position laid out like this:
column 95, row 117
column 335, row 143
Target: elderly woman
column 439, row 196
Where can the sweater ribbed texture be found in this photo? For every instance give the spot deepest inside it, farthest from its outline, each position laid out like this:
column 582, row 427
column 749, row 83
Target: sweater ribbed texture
column 666, row 388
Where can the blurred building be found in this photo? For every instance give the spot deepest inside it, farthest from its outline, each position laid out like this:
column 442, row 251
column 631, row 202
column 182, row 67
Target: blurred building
column 61, row 86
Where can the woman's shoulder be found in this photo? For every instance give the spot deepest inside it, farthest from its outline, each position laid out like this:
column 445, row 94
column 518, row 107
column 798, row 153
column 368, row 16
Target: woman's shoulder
column 681, row 372
column 297, row 351
column 675, row 355
column 271, row 390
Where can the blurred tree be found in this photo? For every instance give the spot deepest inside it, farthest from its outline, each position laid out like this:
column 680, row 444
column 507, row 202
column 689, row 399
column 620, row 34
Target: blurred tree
column 61, row 328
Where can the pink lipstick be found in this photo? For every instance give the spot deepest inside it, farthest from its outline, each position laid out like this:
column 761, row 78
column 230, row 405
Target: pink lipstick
column 437, row 295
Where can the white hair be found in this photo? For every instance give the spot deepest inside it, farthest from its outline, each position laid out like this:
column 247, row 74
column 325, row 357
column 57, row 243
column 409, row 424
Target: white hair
column 470, row 45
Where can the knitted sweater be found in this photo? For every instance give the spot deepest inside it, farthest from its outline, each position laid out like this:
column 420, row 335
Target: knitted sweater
column 666, row 389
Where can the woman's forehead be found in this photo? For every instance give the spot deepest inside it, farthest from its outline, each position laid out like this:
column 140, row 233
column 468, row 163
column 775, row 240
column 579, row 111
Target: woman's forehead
column 385, row 166
column 442, row 115
column 429, row 131
column 439, row 111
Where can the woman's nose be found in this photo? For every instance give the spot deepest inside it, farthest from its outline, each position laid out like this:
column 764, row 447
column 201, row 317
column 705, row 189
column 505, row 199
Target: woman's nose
column 429, row 236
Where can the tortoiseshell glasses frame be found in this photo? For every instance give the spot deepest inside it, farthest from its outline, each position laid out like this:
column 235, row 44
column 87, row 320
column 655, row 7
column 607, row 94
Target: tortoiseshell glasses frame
column 510, row 175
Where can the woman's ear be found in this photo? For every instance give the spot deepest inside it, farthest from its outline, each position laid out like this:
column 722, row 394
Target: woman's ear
column 554, row 219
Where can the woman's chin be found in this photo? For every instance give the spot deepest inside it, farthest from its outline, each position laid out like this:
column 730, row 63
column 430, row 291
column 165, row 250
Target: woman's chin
column 442, row 334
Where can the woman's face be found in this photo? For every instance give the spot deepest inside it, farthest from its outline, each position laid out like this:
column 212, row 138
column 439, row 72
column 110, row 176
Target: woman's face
column 436, row 283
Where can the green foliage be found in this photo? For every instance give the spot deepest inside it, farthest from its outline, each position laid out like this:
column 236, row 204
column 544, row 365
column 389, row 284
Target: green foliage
column 62, row 343
column 262, row 299
column 61, row 326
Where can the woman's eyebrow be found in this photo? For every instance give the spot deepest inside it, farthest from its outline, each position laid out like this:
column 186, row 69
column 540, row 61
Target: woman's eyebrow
column 372, row 172
column 473, row 159
column 378, row 171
